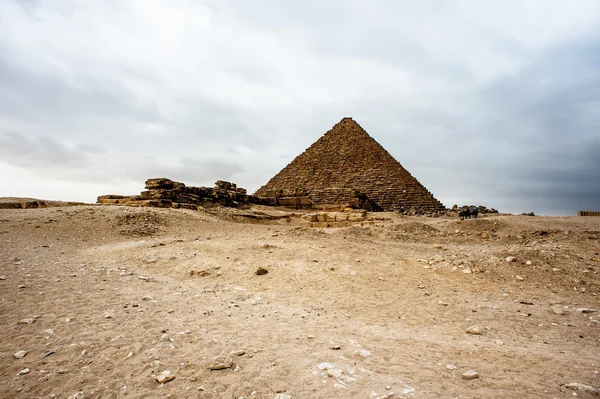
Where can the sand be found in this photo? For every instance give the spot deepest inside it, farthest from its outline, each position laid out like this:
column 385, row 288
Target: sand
column 119, row 296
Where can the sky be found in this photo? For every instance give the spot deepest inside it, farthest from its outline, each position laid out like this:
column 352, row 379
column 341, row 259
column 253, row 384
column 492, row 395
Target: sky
column 484, row 102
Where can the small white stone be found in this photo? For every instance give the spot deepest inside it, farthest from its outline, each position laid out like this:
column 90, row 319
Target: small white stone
column 147, row 298
column 19, row 354
column 165, row 376
column 520, row 278
column 528, row 263
column 510, row 259
column 283, row 396
column 164, row 337
column 451, row 367
column 442, row 303
column 23, row 372
column 364, row 353
column 470, row 375
column 325, row 366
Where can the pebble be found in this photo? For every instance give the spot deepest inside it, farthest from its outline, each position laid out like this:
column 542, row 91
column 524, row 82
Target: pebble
column 470, row 375
column 451, row 367
column 325, row 366
column 510, row 259
column 20, row 354
column 165, row 337
column 364, row 353
column 443, row 303
column 556, row 269
column 239, row 352
column 108, row 316
column 147, row 298
column 165, row 376
column 520, row 278
column 261, row 271
column 48, row 331
column 558, row 310
column 334, row 346
column 220, row 363
column 23, row 372
column 21, row 286
column 2, row 277
column 528, row 263
column 77, row 395
column 475, row 330
column 283, row 396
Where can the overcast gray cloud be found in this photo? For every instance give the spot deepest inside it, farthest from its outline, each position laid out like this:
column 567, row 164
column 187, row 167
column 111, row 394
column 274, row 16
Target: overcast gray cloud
column 496, row 103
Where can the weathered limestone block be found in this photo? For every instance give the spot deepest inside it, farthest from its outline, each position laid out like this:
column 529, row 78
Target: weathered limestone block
column 225, row 185
column 160, row 183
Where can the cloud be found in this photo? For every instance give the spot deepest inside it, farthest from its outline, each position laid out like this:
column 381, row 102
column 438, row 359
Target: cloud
column 483, row 103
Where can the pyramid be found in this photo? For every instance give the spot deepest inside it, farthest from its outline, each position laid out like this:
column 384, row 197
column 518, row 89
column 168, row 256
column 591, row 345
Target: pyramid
column 347, row 159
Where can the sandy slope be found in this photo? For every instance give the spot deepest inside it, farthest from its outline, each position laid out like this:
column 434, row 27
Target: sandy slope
column 122, row 294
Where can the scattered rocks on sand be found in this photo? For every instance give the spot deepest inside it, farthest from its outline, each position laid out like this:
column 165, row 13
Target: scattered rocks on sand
column 475, row 330
column 220, row 363
column 261, row 271
column 19, row 354
column 470, row 375
column 165, row 377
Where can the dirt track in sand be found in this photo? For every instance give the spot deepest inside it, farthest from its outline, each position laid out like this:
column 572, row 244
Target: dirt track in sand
column 105, row 284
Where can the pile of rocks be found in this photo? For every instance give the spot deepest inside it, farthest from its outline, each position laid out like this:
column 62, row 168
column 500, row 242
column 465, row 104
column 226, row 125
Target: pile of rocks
column 480, row 209
column 166, row 193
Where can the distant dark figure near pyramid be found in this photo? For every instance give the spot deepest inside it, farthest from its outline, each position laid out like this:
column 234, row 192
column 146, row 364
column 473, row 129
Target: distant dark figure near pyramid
column 347, row 159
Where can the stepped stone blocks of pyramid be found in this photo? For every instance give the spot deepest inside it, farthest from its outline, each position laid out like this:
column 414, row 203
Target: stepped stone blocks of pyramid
column 346, row 164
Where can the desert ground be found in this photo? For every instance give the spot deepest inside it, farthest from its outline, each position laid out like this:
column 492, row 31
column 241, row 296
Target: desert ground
column 102, row 301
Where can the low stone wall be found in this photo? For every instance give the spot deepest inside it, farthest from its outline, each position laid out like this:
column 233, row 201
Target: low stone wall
column 588, row 213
